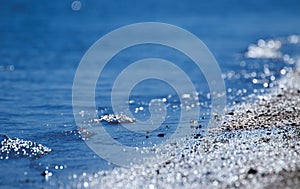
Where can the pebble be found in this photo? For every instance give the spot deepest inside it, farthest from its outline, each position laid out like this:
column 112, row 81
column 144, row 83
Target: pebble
column 252, row 171
column 257, row 146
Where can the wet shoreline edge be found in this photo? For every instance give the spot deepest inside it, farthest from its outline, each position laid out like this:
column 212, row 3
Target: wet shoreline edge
column 257, row 146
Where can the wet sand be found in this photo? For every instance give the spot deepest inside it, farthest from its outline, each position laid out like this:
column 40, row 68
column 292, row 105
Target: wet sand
column 257, row 146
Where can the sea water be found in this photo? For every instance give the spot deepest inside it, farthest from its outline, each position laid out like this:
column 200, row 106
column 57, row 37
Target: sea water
column 42, row 44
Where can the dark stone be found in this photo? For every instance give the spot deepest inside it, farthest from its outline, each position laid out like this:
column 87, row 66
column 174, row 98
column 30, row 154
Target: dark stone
column 44, row 173
column 167, row 162
column 157, row 171
column 147, row 136
column 230, row 113
column 252, row 171
column 237, row 101
column 208, row 173
column 265, row 139
column 160, row 134
column 197, row 136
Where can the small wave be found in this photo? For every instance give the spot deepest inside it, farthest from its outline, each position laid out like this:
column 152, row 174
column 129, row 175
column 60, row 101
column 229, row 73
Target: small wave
column 114, row 119
column 9, row 68
column 15, row 147
column 264, row 49
column 270, row 48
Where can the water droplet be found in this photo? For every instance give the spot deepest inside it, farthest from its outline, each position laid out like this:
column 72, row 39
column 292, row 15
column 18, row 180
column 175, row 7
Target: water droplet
column 272, row 78
column 282, row 71
column 243, row 63
column 76, row 5
column 293, row 39
column 85, row 184
column 185, row 96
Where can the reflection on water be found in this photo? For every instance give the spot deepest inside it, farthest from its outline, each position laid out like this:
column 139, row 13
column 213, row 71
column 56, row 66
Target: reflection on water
column 42, row 44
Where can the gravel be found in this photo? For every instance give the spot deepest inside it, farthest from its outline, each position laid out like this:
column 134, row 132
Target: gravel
column 257, row 146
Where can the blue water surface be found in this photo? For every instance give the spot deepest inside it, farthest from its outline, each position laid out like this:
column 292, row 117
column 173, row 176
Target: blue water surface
column 42, row 43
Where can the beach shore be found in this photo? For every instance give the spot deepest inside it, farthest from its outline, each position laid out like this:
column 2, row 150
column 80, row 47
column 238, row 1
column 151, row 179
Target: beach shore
column 257, row 146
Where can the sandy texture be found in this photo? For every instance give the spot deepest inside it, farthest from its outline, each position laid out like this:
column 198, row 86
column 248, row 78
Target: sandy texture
column 258, row 146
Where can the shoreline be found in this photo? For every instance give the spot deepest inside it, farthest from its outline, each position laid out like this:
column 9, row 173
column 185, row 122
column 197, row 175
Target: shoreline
column 257, row 146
